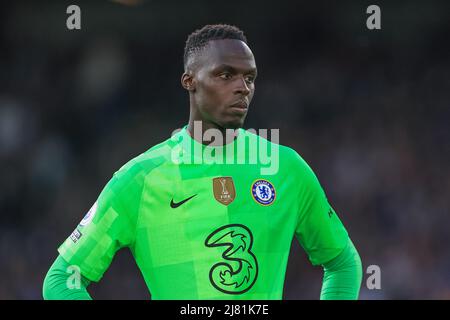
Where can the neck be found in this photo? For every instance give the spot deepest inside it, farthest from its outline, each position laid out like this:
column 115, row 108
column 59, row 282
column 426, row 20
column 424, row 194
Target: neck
column 196, row 126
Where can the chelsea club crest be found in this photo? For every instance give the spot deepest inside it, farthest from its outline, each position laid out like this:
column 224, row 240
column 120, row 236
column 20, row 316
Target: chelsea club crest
column 263, row 192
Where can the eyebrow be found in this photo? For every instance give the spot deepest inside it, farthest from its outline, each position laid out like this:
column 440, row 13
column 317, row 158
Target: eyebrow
column 227, row 67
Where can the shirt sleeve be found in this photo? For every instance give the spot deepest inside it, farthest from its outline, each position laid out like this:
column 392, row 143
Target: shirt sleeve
column 108, row 226
column 319, row 230
column 342, row 275
column 56, row 282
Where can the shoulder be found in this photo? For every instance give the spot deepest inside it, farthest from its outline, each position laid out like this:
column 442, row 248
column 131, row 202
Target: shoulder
column 296, row 165
column 288, row 157
column 143, row 164
column 284, row 151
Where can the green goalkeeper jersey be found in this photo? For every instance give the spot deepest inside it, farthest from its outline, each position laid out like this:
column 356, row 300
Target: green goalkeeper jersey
column 200, row 228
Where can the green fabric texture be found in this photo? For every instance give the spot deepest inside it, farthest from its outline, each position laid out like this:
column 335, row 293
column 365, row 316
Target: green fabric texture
column 342, row 275
column 57, row 283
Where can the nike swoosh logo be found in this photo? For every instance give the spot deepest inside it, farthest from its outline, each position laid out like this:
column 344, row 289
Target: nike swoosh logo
column 177, row 204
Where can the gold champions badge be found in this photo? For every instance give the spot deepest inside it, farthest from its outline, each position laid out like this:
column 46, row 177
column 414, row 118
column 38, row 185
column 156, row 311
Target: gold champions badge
column 224, row 190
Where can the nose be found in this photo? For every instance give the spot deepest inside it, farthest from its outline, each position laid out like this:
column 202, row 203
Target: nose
column 242, row 87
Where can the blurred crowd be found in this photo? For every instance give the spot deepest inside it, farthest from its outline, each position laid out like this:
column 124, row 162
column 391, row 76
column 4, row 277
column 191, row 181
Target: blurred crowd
column 368, row 111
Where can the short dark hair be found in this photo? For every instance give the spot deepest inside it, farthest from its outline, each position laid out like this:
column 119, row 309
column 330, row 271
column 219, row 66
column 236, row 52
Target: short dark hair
column 198, row 39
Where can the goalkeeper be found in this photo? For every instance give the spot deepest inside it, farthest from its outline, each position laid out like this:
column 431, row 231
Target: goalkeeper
column 203, row 229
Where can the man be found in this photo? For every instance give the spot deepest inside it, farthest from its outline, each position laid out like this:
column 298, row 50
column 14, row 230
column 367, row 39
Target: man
column 199, row 228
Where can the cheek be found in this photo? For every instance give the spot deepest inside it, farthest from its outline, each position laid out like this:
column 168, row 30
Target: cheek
column 212, row 96
column 252, row 92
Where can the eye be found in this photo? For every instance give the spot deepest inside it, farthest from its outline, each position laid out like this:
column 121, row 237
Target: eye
column 225, row 75
column 250, row 79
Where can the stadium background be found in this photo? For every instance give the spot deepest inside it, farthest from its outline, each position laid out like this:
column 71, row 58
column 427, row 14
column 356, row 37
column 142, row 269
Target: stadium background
column 369, row 111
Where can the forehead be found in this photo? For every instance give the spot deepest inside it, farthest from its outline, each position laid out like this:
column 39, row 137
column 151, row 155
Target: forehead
column 230, row 52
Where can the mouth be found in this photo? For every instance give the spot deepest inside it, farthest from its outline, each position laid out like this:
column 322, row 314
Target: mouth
column 241, row 106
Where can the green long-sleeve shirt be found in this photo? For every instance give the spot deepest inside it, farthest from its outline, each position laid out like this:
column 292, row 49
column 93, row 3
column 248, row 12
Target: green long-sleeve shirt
column 213, row 222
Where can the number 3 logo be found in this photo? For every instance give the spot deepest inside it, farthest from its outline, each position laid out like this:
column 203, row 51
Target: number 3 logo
column 238, row 273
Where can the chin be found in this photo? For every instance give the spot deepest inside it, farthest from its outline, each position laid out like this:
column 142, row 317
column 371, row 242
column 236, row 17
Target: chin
column 233, row 125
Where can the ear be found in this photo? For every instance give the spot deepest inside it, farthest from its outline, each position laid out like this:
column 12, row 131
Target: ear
column 188, row 81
